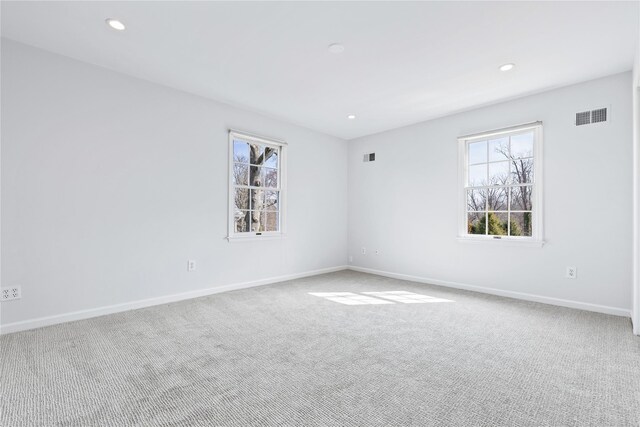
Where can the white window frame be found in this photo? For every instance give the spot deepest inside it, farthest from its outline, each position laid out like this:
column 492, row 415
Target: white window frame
column 536, row 238
column 233, row 235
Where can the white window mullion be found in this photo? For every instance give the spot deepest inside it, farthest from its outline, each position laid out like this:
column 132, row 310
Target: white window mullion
column 279, row 189
column 524, row 145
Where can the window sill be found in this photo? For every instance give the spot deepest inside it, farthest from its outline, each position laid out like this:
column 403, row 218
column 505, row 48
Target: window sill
column 504, row 241
column 253, row 237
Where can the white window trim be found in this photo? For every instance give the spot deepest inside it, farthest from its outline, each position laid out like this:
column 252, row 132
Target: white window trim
column 537, row 239
column 234, row 236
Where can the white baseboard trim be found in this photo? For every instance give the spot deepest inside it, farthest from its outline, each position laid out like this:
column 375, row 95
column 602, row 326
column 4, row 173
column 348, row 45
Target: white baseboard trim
column 509, row 294
column 117, row 308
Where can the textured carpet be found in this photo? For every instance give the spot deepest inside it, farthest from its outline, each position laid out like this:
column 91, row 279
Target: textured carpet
column 277, row 355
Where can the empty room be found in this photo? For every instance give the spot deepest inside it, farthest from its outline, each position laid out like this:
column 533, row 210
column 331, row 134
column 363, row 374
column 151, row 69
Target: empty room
column 316, row 213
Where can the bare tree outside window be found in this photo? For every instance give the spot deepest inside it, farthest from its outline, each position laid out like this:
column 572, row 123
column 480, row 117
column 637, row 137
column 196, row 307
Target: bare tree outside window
column 500, row 185
column 256, row 187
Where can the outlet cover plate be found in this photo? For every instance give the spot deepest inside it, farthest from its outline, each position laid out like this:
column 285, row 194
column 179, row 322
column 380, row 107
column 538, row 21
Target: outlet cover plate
column 10, row 293
column 572, row 273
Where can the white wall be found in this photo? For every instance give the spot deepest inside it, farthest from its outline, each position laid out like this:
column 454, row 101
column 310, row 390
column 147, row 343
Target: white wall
column 110, row 183
column 635, row 90
column 405, row 203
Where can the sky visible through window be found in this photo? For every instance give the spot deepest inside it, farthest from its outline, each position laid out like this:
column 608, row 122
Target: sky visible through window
column 256, row 187
column 499, row 187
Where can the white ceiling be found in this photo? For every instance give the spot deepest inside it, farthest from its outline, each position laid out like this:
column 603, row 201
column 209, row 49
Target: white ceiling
column 404, row 62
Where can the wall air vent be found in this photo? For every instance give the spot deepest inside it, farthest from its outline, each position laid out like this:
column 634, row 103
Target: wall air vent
column 369, row 157
column 599, row 115
column 593, row 116
column 583, row 118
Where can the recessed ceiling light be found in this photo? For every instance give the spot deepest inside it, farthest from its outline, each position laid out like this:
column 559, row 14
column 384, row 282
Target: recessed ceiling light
column 351, row 116
column 115, row 24
column 336, row 48
column 507, row 67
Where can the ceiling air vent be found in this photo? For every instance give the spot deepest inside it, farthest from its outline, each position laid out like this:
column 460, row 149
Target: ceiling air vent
column 594, row 116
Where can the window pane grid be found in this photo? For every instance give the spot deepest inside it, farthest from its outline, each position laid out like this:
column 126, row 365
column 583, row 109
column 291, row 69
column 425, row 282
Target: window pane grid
column 499, row 184
column 255, row 186
column 504, row 146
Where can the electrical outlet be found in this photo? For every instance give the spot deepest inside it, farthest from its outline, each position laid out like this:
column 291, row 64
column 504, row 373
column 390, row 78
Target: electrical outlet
column 191, row 265
column 572, row 273
column 364, row 251
column 377, row 252
column 12, row 292
column 350, row 259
